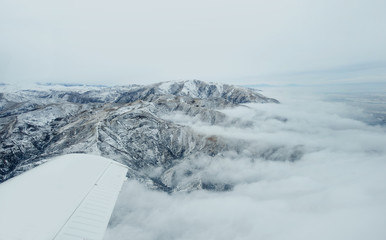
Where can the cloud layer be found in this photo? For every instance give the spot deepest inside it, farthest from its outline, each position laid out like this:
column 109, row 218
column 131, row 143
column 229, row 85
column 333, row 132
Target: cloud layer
column 335, row 190
column 218, row 40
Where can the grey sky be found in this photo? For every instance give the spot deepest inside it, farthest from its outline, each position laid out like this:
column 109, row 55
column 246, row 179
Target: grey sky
column 244, row 41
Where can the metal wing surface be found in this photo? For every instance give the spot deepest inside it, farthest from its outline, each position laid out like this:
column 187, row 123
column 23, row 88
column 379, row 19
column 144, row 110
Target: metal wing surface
column 69, row 197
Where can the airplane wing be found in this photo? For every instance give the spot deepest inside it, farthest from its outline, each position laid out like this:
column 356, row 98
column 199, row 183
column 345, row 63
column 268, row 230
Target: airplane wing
column 70, row 197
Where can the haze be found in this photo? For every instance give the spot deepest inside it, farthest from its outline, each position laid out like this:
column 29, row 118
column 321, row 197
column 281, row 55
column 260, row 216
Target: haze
column 240, row 42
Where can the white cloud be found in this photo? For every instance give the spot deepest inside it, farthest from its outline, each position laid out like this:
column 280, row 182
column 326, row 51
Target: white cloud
column 336, row 190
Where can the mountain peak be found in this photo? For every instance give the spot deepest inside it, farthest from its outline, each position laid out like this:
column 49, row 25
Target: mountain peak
column 129, row 124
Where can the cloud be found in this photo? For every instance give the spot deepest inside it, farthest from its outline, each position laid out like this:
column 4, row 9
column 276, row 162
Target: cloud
column 335, row 190
column 148, row 41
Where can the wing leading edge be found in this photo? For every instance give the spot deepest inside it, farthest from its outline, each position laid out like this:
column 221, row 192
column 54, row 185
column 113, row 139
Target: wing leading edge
column 70, row 197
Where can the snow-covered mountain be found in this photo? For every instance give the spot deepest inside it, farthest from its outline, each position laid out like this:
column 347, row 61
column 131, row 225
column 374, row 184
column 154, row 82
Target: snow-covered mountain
column 125, row 123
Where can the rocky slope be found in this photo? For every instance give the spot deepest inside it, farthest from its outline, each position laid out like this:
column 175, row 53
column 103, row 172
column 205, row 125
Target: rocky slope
column 124, row 123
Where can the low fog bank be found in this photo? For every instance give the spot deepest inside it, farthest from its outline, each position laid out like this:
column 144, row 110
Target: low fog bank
column 324, row 178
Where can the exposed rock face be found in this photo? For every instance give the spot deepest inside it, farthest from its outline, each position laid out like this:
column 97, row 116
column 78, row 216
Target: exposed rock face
column 122, row 123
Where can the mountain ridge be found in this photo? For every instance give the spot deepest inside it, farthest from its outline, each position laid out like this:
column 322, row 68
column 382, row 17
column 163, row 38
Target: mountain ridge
column 122, row 123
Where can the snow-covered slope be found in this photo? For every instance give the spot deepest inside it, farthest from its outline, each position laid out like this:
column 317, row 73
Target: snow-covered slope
column 129, row 124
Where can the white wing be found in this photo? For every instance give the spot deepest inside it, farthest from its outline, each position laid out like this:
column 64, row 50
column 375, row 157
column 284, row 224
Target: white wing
column 69, row 197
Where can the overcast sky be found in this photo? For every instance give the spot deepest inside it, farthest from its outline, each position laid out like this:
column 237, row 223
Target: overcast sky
column 243, row 41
